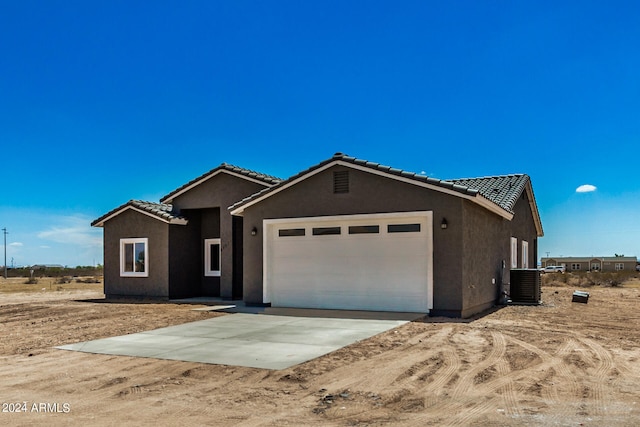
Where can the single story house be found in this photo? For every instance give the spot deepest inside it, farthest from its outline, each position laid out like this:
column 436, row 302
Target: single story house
column 612, row 263
column 343, row 234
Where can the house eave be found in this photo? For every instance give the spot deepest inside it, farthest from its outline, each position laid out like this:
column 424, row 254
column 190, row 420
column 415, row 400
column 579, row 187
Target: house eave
column 172, row 221
column 534, row 209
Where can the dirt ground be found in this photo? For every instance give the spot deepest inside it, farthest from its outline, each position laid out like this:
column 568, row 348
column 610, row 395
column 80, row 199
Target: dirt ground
column 559, row 364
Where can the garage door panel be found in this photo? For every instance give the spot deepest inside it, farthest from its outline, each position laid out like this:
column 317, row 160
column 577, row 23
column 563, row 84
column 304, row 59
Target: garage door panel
column 371, row 271
column 352, row 300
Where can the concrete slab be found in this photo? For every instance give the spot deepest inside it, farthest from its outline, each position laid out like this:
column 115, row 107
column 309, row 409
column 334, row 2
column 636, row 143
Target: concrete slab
column 253, row 340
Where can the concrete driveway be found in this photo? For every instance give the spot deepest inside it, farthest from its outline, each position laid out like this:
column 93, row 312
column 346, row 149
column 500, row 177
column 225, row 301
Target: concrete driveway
column 253, row 340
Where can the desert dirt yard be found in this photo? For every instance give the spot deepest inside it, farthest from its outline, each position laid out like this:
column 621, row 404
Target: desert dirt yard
column 558, row 364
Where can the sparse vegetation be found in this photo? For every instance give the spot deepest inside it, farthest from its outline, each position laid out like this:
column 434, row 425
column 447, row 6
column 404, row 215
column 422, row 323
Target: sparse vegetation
column 590, row 279
column 20, row 285
column 41, row 271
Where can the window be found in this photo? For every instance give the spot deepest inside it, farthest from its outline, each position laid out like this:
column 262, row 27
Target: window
column 525, row 254
column 514, row 252
column 576, row 266
column 341, row 182
column 289, row 232
column 133, row 257
column 326, row 231
column 364, row 229
column 212, row 257
column 403, row 228
column 595, row 267
column 619, row 266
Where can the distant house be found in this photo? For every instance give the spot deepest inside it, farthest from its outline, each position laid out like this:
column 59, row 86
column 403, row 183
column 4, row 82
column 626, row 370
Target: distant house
column 616, row 263
column 343, row 234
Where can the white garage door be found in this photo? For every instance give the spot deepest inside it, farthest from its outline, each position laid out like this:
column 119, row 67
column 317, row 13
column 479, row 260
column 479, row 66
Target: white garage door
column 379, row 262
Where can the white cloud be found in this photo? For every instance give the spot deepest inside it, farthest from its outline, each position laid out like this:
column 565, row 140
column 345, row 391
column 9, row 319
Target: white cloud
column 586, row 188
column 16, row 244
column 72, row 230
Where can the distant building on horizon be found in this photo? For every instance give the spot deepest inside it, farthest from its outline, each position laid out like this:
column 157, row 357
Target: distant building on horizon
column 611, row 263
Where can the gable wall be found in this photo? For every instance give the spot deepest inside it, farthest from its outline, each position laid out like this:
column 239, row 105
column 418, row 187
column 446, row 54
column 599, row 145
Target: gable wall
column 524, row 228
column 131, row 224
column 368, row 193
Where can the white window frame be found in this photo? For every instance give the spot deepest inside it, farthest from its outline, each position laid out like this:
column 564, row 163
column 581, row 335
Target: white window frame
column 133, row 241
column 514, row 252
column 208, row 244
column 525, row 254
column 619, row 266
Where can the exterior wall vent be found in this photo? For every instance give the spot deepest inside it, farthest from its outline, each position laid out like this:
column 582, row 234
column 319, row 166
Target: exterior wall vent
column 340, row 182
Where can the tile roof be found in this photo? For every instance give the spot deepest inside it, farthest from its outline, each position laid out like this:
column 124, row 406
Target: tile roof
column 267, row 179
column 377, row 166
column 502, row 190
column 589, row 258
column 161, row 211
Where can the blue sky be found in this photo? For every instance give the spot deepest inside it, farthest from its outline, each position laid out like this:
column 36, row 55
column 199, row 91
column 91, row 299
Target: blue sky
column 102, row 102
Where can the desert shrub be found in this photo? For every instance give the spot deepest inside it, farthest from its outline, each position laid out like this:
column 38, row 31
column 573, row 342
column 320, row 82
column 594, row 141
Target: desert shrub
column 88, row 280
column 62, row 280
column 607, row 278
column 615, row 279
column 552, row 279
column 32, row 281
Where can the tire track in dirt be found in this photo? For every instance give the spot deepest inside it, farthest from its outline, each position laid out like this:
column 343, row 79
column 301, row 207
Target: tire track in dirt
column 508, row 392
column 466, row 400
column 468, row 393
column 604, row 366
column 442, row 376
column 401, row 366
column 562, row 410
column 503, row 386
column 468, row 415
column 467, row 381
column 551, row 365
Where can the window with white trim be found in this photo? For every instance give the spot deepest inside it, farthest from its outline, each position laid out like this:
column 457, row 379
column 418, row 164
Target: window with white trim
column 619, row 266
column 576, row 266
column 514, row 252
column 212, row 257
column 525, row 254
column 134, row 257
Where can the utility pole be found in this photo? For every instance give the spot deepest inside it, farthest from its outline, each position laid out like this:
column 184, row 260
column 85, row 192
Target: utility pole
column 4, row 230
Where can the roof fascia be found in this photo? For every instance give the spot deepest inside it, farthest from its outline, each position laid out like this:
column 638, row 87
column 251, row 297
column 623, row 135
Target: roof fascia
column 534, row 209
column 479, row 199
column 177, row 221
column 169, row 199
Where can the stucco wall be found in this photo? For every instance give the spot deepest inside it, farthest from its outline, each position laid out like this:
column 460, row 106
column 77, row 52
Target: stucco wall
column 131, row 224
column 486, row 241
column 368, row 193
column 220, row 192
